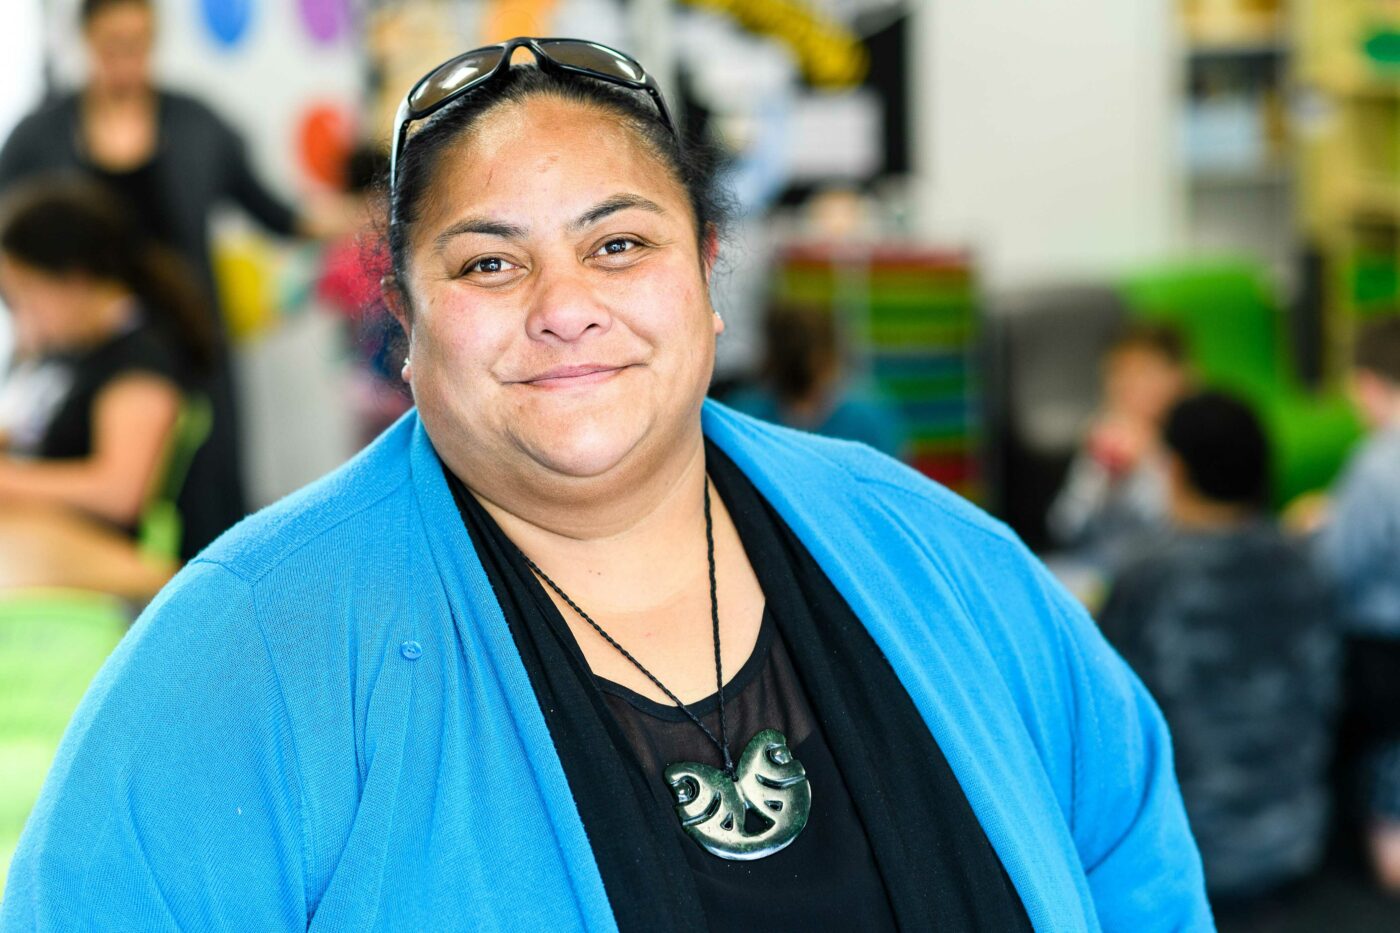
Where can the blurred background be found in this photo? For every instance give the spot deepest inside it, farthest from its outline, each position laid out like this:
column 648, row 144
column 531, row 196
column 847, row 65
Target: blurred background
column 1005, row 241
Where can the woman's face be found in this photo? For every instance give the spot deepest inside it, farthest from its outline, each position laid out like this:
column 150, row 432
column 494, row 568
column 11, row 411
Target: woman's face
column 45, row 308
column 119, row 41
column 560, row 308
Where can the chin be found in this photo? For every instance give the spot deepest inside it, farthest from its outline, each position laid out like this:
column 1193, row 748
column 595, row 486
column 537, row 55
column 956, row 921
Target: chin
column 583, row 447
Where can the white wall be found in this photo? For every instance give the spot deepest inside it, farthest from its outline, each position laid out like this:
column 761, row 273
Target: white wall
column 21, row 84
column 1045, row 133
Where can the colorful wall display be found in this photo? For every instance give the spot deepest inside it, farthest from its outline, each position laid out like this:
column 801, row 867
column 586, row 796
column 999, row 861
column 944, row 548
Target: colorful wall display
column 326, row 21
column 325, row 138
column 227, row 20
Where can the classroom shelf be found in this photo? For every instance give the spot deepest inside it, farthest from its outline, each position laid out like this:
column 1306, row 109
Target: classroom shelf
column 1350, row 55
column 910, row 316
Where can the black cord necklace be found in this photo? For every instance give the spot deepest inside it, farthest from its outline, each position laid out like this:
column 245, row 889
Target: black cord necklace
column 742, row 812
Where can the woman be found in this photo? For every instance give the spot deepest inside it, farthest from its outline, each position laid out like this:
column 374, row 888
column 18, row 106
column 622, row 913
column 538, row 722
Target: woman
column 107, row 318
column 375, row 706
column 172, row 161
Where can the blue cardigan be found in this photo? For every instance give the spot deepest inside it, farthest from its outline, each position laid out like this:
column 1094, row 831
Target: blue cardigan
column 323, row 723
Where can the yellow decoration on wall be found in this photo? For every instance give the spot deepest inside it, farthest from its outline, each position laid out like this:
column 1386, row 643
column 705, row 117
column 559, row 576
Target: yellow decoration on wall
column 243, row 273
column 506, row 19
column 829, row 54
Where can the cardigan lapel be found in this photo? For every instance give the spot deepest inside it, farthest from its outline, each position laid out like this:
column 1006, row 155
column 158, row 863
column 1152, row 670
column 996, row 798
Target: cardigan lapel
column 871, row 556
column 486, row 637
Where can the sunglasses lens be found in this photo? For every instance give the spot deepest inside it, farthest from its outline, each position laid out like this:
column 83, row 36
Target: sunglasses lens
column 454, row 75
column 593, row 57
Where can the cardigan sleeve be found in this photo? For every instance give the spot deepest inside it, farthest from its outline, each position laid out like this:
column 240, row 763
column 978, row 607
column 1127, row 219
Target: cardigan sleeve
column 1127, row 817
column 173, row 802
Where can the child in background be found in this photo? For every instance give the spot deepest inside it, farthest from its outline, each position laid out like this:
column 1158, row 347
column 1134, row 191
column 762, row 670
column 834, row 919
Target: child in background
column 112, row 330
column 1360, row 545
column 1116, row 489
column 1231, row 628
column 803, row 383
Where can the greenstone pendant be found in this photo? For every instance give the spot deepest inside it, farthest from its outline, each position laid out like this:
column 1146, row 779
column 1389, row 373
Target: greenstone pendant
column 771, row 786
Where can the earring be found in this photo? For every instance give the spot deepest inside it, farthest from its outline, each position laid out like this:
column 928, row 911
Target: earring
column 406, row 374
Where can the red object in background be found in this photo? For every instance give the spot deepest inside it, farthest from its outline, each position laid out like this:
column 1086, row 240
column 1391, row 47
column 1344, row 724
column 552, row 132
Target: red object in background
column 325, row 137
column 953, row 470
column 351, row 270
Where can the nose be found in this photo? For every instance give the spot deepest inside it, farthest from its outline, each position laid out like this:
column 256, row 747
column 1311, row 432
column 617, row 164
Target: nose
column 564, row 308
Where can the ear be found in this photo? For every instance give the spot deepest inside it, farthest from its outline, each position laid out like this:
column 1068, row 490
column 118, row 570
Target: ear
column 396, row 301
column 709, row 251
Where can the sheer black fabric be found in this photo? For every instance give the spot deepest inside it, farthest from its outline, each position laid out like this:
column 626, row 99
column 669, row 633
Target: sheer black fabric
column 827, row 877
column 889, row 801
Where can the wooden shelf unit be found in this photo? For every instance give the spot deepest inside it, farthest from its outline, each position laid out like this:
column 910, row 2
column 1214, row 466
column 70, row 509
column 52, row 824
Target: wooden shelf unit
column 1348, row 71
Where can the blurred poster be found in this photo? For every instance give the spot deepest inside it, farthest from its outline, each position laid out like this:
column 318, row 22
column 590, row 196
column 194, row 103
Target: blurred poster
column 805, row 94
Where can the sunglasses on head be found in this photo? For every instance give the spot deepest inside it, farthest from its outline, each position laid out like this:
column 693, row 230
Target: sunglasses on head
column 458, row 75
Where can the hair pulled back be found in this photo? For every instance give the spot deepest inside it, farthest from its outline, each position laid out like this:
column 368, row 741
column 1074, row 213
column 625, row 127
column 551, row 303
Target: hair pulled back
column 72, row 227
column 91, row 8
column 693, row 165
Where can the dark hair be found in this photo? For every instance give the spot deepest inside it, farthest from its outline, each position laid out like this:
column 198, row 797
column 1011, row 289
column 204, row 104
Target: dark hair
column 693, row 165
column 91, row 8
column 1377, row 348
column 799, row 342
column 1222, row 447
column 1162, row 339
column 366, row 164
column 68, row 227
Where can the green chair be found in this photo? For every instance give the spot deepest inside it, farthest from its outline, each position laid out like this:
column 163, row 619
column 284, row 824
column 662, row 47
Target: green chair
column 1227, row 312
column 52, row 642
column 161, row 529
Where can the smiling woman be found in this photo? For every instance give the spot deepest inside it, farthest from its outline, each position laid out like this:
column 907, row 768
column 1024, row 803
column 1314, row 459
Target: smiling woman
column 570, row 647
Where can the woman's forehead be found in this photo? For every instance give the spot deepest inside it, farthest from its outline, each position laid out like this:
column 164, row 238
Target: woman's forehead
column 546, row 156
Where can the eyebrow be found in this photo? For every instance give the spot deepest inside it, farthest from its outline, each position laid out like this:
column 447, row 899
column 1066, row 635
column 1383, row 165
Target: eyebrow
column 610, row 206
column 497, row 228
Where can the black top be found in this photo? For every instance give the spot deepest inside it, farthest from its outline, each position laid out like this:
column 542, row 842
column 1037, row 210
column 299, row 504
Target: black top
column 891, row 839
column 142, row 193
column 827, row 875
column 138, row 350
column 200, row 162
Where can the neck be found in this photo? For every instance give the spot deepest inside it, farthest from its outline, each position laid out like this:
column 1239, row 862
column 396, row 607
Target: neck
column 104, row 98
column 637, row 501
column 105, row 312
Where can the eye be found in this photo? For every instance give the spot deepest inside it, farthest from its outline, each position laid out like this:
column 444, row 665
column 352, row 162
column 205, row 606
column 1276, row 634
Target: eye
column 488, row 265
column 617, row 246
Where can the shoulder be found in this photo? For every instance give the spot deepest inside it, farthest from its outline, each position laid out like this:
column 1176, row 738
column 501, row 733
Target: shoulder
column 40, row 131
column 871, row 474
column 343, row 513
column 42, row 120
column 188, row 113
column 1377, row 460
column 143, row 350
column 845, row 488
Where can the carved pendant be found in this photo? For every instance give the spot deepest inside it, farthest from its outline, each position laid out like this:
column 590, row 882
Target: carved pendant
column 753, row 816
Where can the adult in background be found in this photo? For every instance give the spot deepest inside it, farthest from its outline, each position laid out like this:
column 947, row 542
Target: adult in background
column 1232, row 628
column 171, row 160
column 1360, row 545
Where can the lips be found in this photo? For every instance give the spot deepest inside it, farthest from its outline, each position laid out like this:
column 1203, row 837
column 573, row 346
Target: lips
column 576, row 375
